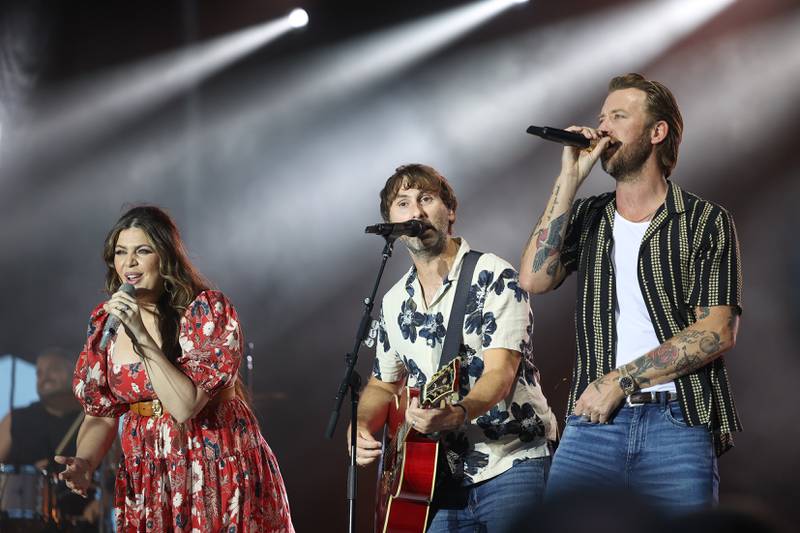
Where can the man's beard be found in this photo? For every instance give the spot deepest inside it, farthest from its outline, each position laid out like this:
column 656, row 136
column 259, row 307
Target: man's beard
column 629, row 160
column 417, row 246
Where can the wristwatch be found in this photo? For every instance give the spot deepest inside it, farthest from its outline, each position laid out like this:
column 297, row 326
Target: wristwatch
column 626, row 382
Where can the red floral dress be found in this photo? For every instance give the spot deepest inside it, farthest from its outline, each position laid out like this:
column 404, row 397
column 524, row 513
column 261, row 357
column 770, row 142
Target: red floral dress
column 214, row 472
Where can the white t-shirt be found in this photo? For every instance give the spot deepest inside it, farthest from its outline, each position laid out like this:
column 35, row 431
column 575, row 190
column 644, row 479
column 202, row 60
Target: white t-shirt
column 635, row 333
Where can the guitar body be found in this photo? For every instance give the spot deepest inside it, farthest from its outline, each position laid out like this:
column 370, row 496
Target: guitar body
column 407, row 472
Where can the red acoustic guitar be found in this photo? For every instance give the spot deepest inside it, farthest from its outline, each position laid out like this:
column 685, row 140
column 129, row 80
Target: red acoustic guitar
column 407, row 472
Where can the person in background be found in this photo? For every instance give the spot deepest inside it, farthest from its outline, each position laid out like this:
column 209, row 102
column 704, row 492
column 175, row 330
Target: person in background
column 30, row 435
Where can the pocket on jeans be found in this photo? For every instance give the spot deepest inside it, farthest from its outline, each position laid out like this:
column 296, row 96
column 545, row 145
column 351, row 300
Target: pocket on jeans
column 578, row 420
column 674, row 415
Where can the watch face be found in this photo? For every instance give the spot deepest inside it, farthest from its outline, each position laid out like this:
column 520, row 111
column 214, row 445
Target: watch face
column 626, row 383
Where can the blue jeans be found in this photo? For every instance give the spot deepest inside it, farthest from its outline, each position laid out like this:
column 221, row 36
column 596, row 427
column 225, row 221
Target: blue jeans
column 496, row 505
column 647, row 449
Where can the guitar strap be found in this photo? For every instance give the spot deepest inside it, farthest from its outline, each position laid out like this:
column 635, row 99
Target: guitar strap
column 452, row 468
column 455, row 326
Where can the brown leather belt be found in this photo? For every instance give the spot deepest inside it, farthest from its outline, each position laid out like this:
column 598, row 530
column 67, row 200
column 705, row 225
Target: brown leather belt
column 155, row 407
column 149, row 408
column 638, row 398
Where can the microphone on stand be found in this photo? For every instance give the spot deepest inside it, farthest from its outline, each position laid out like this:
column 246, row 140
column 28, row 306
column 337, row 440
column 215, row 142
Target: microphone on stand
column 110, row 329
column 411, row 228
column 565, row 137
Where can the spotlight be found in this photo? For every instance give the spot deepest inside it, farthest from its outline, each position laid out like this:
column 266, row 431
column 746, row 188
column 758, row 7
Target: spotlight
column 298, row 18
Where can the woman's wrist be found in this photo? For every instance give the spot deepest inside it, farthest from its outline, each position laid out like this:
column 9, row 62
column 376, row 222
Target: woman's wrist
column 90, row 463
column 146, row 348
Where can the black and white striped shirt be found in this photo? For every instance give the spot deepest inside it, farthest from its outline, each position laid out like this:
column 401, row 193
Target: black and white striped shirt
column 689, row 257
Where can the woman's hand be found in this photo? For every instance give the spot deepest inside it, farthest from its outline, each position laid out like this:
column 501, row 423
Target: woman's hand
column 124, row 306
column 77, row 475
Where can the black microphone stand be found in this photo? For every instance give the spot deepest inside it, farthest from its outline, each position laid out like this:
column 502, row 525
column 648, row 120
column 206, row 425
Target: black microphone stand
column 352, row 381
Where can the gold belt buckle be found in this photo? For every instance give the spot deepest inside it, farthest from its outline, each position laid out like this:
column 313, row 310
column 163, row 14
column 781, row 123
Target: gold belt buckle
column 157, row 410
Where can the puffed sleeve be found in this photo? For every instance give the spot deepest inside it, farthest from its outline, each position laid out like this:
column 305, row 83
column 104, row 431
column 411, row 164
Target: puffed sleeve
column 211, row 342
column 90, row 381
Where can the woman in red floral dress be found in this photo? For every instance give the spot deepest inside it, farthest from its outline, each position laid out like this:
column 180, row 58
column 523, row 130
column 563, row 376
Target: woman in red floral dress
column 193, row 456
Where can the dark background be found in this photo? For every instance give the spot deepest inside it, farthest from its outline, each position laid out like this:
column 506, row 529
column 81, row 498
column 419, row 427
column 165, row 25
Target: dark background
column 272, row 167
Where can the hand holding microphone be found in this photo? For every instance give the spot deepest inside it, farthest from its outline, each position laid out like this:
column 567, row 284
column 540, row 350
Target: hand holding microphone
column 573, row 136
column 121, row 308
column 565, row 137
column 583, row 147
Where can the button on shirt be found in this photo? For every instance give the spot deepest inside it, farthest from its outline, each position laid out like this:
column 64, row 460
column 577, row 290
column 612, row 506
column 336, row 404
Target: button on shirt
column 410, row 338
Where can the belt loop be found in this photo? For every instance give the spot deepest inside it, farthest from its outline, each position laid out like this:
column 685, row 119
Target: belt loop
column 664, row 397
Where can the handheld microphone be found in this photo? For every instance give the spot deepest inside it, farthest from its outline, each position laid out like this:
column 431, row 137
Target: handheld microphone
column 112, row 324
column 412, row 228
column 560, row 136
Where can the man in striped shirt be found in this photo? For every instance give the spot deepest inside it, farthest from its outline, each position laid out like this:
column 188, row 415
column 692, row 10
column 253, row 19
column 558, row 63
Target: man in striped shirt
column 658, row 303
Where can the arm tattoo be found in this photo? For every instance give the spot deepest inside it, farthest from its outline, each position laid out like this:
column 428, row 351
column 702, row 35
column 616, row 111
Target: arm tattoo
column 684, row 353
column 637, row 368
column 688, row 363
column 548, row 242
column 534, row 233
column 710, row 344
column 704, row 312
column 552, row 268
column 599, row 381
column 555, row 199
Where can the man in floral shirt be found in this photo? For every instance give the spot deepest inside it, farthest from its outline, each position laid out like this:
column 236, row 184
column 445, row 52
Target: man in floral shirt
column 498, row 432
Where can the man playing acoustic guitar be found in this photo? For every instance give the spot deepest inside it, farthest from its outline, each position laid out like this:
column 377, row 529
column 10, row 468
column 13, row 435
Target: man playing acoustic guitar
column 495, row 437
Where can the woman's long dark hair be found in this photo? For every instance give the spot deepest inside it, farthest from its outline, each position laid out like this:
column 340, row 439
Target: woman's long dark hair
column 182, row 281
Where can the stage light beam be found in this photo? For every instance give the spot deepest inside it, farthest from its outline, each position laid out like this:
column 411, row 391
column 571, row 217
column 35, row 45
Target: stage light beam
column 366, row 61
column 474, row 104
column 93, row 107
